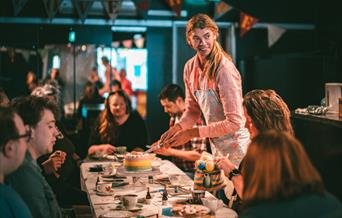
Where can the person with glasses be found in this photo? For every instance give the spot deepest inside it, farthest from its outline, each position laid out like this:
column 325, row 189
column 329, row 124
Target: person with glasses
column 13, row 144
column 39, row 114
column 118, row 125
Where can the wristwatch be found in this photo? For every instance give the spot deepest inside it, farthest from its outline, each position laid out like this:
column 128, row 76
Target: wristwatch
column 232, row 173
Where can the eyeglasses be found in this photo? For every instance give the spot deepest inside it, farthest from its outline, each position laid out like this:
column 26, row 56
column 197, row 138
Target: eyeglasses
column 26, row 135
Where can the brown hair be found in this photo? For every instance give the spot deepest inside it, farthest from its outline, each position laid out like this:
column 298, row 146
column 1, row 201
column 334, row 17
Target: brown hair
column 201, row 21
column 276, row 167
column 267, row 110
column 107, row 127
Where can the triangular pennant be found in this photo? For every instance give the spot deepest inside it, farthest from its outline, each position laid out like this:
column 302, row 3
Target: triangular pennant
column 51, row 7
column 175, row 5
column 82, row 7
column 142, row 7
column 274, row 34
column 246, row 23
column 18, row 5
column 111, row 7
column 220, row 9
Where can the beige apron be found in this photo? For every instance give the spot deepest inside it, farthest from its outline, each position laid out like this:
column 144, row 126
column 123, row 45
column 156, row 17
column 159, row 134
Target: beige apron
column 236, row 143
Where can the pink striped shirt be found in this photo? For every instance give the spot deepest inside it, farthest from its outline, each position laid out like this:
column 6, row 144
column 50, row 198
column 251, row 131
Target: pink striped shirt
column 227, row 87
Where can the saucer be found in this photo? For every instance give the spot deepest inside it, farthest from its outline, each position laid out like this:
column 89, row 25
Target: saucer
column 105, row 193
column 136, row 208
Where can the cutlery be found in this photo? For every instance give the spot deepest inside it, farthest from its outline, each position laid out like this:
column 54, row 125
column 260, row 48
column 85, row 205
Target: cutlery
column 151, row 149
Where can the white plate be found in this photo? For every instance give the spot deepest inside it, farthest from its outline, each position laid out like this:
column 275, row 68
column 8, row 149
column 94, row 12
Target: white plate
column 117, row 214
column 104, row 193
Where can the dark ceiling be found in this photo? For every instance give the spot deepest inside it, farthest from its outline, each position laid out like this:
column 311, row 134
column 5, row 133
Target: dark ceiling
column 319, row 12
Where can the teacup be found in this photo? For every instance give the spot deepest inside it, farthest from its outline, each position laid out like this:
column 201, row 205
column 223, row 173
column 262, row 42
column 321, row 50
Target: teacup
column 213, row 204
column 130, row 201
column 104, row 187
column 121, row 150
column 197, row 195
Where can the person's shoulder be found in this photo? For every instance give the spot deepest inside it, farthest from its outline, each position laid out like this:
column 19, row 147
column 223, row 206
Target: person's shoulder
column 135, row 115
column 24, row 174
column 190, row 63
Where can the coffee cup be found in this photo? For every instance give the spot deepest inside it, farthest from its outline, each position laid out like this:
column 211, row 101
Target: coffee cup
column 121, row 149
column 130, row 201
column 104, row 187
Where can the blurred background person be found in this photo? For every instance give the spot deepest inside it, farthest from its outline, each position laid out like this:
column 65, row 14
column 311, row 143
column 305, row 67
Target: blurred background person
column 95, row 79
column 31, row 81
column 115, row 85
column 56, row 76
column 280, row 180
column 13, row 144
column 3, row 98
column 111, row 73
column 125, row 83
column 118, row 125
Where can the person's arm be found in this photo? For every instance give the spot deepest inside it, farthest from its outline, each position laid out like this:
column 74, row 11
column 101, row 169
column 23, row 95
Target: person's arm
column 102, row 148
column 229, row 88
column 227, row 166
column 184, row 155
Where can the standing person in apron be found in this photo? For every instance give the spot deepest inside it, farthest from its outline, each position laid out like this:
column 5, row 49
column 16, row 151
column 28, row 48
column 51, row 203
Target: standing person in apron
column 213, row 87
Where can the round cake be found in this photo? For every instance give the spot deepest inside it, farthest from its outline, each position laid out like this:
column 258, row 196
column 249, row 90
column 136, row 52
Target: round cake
column 138, row 162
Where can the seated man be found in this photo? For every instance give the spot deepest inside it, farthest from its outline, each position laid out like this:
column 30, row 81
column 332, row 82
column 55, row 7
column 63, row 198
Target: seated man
column 172, row 99
column 13, row 145
column 39, row 114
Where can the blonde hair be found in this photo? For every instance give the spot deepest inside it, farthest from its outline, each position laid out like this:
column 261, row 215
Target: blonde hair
column 202, row 21
column 267, row 110
column 276, row 167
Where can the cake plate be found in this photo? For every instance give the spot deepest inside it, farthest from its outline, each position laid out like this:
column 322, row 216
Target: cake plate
column 121, row 171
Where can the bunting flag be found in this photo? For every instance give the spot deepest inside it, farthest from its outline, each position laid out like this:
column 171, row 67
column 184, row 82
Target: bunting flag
column 18, row 5
column 142, row 6
column 246, row 23
column 51, row 7
column 111, row 7
column 175, row 5
column 220, row 9
column 82, row 7
column 274, row 34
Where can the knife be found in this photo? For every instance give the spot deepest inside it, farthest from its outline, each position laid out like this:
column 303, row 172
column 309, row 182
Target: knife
column 151, row 149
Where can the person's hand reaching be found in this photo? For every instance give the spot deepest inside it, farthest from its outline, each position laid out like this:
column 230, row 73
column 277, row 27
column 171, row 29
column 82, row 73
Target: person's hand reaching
column 169, row 134
column 225, row 164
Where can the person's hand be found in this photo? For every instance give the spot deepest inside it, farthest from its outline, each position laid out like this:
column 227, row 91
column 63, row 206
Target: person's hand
column 164, row 151
column 54, row 162
column 107, row 148
column 170, row 133
column 225, row 164
column 181, row 137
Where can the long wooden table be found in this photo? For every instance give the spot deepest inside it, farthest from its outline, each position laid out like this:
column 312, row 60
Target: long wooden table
column 102, row 205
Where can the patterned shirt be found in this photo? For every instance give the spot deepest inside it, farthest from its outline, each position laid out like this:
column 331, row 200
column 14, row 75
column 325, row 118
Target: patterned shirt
column 197, row 144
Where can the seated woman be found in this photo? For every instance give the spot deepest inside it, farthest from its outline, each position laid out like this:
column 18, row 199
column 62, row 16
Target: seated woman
column 118, row 126
column 280, row 180
column 264, row 110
